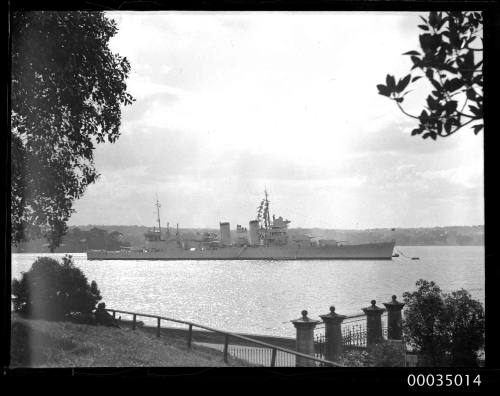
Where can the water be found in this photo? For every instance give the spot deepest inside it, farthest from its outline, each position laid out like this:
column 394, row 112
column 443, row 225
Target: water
column 261, row 297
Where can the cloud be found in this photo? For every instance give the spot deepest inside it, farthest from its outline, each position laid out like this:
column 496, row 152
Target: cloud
column 229, row 103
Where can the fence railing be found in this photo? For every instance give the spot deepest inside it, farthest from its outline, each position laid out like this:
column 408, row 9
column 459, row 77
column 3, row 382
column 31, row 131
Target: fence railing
column 273, row 358
column 354, row 334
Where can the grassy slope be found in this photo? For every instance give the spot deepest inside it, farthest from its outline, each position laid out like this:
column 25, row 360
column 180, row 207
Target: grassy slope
column 39, row 343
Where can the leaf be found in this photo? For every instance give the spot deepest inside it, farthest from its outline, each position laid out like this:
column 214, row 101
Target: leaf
column 441, row 21
column 424, row 27
column 441, row 55
column 468, row 60
column 391, row 82
column 423, row 116
column 439, row 127
column 432, row 103
column 416, row 131
column 430, row 75
column 403, row 83
column 451, row 106
column 453, row 85
column 399, row 100
column 415, row 78
column 412, row 53
column 448, row 125
column 471, row 94
column 477, row 128
column 383, row 90
column 476, row 111
column 433, row 18
column 416, row 62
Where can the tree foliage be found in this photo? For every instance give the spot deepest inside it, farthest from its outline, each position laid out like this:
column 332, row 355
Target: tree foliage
column 465, row 319
column 450, row 59
column 54, row 290
column 446, row 329
column 66, row 96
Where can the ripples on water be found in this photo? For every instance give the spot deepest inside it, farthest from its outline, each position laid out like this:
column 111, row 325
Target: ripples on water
column 261, row 297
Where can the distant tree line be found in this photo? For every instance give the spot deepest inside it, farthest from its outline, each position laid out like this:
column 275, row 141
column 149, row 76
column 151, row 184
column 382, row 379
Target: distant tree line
column 460, row 235
column 78, row 240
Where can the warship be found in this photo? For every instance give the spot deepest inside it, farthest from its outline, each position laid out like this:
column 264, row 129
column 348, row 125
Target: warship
column 263, row 239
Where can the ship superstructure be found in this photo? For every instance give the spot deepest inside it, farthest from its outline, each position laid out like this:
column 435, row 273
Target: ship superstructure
column 263, row 239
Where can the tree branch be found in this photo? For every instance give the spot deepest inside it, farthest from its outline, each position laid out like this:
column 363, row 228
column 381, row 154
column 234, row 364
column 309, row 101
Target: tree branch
column 405, row 113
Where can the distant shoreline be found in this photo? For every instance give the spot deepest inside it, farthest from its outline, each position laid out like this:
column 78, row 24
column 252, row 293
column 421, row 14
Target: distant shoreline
column 79, row 240
column 14, row 250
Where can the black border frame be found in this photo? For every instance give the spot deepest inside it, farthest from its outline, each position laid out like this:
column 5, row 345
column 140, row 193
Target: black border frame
column 382, row 378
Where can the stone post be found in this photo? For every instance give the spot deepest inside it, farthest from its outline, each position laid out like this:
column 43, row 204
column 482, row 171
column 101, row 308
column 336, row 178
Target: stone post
column 394, row 319
column 305, row 339
column 373, row 324
column 334, row 344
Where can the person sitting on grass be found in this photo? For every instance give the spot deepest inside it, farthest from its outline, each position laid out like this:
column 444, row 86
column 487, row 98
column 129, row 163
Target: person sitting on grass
column 103, row 317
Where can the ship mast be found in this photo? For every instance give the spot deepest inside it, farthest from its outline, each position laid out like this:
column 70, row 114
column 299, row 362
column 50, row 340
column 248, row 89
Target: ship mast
column 267, row 220
column 263, row 211
column 158, row 212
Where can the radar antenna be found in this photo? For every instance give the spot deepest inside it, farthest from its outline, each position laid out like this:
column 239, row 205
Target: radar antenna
column 263, row 215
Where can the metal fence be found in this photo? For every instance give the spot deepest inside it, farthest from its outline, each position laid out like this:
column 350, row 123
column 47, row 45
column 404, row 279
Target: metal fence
column 262, row 354
column 353, row 333
column 256, row 356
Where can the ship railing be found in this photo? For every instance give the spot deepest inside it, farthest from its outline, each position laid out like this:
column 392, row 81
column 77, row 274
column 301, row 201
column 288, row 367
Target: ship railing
column 273, row 361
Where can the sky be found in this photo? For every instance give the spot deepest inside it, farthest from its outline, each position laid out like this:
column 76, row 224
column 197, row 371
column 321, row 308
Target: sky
column 230, row 103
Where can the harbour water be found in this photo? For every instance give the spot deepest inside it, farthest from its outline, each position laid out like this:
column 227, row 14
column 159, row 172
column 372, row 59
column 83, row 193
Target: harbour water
column 261, row 297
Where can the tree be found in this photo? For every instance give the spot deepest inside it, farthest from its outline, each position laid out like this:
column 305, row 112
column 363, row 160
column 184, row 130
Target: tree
column 451, row 61
column 446, row 329
column 54, row 291
column 115, row 240
column 465, row 318
column 96, row 239
column 423, row 322
column 66, row 92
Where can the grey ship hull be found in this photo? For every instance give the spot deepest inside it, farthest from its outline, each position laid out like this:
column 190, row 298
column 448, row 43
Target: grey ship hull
column 369, row 251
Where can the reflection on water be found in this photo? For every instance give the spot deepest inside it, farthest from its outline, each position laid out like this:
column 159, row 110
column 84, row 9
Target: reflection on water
column 262, row 297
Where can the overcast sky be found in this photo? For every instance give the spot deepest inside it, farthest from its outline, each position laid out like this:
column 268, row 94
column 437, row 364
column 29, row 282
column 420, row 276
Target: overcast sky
column 230, row 103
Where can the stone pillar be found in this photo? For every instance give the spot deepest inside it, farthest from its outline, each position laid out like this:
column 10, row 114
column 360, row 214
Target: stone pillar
column 305, row 339
column 394, row 319
column 334, row 344
column 373, row 324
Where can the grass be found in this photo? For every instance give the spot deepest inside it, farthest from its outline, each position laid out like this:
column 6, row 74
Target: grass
column 40, row 343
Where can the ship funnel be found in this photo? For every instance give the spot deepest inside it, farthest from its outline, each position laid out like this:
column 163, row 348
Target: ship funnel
column 225, row 233
column 253, row 232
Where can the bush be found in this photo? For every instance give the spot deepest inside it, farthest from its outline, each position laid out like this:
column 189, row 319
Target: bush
column 465, row 319
column 384, row 354
column 355, row 358
column 445, row 329
column 54, row 291
column 387, row 354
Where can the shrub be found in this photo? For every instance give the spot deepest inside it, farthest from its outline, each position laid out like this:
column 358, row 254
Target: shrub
column 384, row 354
column 355, row 358
column 445, row 329
column 387, row 354
column 465, row 319
column 54, row 290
